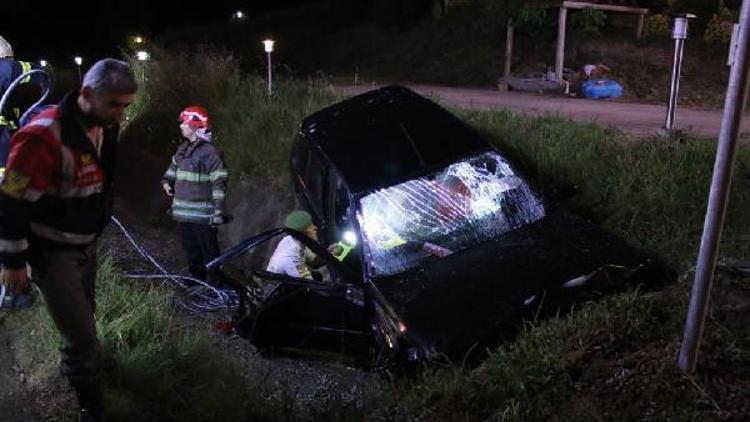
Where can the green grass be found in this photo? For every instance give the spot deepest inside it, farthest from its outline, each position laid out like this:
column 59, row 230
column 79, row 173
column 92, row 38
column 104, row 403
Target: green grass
column 167, row 368
column 652, row 192
column 253, row 130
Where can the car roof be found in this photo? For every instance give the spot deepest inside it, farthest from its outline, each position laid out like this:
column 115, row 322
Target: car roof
column 388, row 135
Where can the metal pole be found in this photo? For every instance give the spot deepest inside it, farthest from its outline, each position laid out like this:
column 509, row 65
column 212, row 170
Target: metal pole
column 508, row 47
column 560, row 54
column 734, row 104
column 80, row 79
column 269, row 72
column 674, row 87
column 679, row 33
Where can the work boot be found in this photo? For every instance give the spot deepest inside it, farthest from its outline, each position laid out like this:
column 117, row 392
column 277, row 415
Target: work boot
column 17, row 301
column 91, row 402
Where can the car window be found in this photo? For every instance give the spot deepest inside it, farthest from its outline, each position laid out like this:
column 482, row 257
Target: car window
column 315, row 179
column 338, row 208
column 464, row 204
column 300, row 154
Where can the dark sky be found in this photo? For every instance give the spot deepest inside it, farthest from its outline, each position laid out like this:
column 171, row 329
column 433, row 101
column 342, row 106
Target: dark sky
column 58, row 30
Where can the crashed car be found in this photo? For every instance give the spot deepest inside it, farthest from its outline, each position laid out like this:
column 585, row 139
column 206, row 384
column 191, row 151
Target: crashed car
column 444, row 239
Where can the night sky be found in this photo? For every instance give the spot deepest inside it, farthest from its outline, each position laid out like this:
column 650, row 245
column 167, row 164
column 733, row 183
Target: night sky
column 57, row 30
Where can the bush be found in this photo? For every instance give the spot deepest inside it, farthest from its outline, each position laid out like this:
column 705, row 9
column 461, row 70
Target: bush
column 253, row 130
column 658, row 26
column 589, row 21
column 720, row 27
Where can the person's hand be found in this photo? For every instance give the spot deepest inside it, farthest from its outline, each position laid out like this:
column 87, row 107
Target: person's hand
column 335, row 249
column 14, row 280
column 167, row 189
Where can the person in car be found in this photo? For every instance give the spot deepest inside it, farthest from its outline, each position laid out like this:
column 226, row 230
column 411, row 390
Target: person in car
column 291, row 256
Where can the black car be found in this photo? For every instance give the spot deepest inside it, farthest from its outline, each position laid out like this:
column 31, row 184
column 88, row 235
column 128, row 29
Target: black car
column 447, row 240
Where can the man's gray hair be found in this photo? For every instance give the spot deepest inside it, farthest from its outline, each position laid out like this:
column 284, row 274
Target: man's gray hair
column 111, row 76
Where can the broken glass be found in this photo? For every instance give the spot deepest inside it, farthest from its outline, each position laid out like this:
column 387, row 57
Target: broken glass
column 436, row 215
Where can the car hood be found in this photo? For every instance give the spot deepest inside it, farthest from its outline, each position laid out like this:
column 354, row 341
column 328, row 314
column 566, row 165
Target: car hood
column 452, row 302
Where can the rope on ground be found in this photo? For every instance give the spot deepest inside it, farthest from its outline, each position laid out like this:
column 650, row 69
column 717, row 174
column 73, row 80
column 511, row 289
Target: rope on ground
column 195, row 295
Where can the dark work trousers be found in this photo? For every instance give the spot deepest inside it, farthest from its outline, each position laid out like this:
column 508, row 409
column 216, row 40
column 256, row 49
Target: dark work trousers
column 201, row 247
column 66, row 276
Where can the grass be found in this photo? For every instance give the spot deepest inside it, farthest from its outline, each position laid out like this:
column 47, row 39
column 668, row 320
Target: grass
column 253, row 130
column 652, row 191
column 580, row 366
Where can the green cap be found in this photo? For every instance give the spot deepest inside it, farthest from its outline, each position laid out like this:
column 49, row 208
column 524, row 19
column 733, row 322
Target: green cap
column 298, row 220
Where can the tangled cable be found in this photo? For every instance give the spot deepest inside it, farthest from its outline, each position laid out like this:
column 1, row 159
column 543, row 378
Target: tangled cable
column 196, row 295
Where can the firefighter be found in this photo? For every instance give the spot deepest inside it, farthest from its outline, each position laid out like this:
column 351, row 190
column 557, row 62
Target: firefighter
column 196, row 180
column 55, row 200
column 10, row 70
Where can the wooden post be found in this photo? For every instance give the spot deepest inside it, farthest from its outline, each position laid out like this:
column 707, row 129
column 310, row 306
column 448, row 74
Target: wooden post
column 641, row 24
column 508, row 47
column 560, row 58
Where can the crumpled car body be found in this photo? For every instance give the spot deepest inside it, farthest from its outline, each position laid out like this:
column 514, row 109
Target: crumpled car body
column 444, row 239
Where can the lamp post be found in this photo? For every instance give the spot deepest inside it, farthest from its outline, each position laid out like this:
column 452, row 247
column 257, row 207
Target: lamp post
column 78, row 61
column 268, row 46
column 43, row 63
column 142, row 55
column 679, row 34
column 238, row 15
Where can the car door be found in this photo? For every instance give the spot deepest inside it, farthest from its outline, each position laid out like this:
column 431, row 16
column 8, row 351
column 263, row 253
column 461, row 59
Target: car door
column 302, row 313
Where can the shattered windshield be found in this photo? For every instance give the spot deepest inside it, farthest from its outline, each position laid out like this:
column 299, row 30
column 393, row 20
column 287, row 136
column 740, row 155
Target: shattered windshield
column 464, row 204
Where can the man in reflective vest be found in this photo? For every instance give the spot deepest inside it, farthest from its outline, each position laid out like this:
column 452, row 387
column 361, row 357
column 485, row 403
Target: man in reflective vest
column 10, row 70
column 55, row 200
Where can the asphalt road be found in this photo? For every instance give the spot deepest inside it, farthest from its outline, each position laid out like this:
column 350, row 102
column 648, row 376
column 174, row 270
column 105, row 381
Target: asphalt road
column 634, row 118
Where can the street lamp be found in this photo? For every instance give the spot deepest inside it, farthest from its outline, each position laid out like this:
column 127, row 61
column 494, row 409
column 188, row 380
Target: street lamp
column 138, row 39
column 142, row 55
column 43, row 63
column 78, row 61
column 268, row 46
column 238, row 14
column 679, row 34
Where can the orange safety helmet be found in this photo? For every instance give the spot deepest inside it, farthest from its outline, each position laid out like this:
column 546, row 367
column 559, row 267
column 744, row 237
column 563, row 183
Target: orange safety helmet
column 196, row 116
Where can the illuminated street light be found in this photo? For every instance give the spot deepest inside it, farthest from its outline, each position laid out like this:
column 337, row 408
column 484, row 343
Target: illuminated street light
column 138, row 39
column 78, row 61
column 142, row 55
column 679, row 34
column 238, row 14
column 268, row 46
column 43, row 63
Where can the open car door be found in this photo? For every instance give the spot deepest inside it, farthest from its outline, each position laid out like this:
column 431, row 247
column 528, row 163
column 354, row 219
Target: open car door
column 297, row 313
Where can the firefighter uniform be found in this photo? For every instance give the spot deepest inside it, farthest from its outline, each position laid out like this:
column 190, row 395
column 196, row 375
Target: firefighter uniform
column 54, row 202
column 10, row 70
column 198, row 177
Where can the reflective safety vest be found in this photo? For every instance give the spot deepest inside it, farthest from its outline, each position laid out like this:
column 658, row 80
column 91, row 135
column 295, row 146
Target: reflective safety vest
column 57, row 186
column 10, row 70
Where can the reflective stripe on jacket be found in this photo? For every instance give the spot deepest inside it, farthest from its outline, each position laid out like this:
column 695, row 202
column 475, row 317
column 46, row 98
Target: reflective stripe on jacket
column 199, row 178
column 56, row 185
